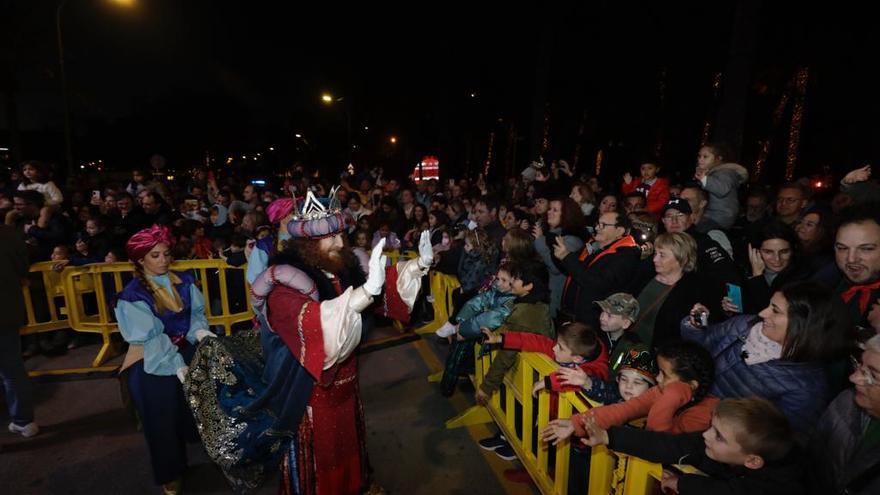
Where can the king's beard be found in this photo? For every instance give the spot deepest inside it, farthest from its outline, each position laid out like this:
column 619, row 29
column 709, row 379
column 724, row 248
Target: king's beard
column 328, row 261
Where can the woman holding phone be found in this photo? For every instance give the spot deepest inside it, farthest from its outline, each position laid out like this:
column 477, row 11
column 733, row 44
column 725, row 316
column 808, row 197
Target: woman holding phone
column 774, row 256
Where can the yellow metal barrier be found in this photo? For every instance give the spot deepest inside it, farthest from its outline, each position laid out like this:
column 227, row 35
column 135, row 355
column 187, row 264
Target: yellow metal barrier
column 65, row 292
column 520, row 417
column 442, row 287
column 46, row 284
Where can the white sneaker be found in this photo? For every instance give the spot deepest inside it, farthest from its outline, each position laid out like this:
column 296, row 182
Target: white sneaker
column 26, row 431
column 447, row 330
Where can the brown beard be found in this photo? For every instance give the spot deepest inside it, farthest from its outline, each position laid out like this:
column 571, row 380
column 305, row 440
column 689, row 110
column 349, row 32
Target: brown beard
column 310, row 253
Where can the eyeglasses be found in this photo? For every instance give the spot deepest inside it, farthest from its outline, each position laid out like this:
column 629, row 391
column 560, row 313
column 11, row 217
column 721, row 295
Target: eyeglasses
column 602, row 225
column 863, row 372
column 673, row 216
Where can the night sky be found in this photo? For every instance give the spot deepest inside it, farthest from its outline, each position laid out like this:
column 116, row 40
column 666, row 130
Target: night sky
column 183, row 78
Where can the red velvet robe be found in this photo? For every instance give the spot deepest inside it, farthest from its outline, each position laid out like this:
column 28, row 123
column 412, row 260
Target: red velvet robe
column 333, row 455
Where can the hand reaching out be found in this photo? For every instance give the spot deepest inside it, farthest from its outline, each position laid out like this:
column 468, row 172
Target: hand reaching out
column 857, row 175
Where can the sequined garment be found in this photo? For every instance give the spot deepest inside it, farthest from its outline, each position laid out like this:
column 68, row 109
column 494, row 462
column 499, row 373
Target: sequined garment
column 247, row 399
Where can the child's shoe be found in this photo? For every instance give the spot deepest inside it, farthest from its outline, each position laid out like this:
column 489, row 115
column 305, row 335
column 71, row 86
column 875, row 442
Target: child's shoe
column 447, row 330
column 493, row 442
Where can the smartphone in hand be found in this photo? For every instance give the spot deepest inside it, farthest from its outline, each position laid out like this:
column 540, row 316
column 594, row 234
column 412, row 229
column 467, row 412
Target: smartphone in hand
column 734, row 293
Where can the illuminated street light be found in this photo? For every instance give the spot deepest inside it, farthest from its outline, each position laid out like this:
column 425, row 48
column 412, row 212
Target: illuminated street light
column 393, row 140
column 68, row 135
column 298, row 136
column 327, row 98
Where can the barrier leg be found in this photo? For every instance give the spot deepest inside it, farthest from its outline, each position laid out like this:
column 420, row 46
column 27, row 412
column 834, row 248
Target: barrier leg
column 476, row 415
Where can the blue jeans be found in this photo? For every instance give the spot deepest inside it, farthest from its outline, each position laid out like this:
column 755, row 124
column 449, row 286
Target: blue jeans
column 19, row 397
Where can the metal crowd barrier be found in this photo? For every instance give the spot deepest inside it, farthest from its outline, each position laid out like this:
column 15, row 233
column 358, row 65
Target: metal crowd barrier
column 442, row 287
column 82, row 298
column 520, row 417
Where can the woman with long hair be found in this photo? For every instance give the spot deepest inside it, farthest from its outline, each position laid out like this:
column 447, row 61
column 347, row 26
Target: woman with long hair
column 161, row 314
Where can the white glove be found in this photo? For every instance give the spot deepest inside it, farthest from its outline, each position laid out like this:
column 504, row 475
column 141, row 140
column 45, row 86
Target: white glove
column 376, row 276
column 426, row 252
column 181, row 373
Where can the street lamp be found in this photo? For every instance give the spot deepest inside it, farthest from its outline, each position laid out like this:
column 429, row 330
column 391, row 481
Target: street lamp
column 329, row 99
column 68, row 139
column 393, row 140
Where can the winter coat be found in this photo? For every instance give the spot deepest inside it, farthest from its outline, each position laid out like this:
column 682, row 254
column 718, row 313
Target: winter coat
column 834, row 466
column 596, row 276
column 487, row 309
column 658, row 193
column 722, row 184
column 557, row 277
column 528, row 315
column 799, row 390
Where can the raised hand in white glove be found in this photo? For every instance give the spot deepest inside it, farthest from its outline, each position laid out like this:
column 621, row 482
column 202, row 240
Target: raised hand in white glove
column 376, row 277
column 426, row 253
column 181, row 373
column 202, row 333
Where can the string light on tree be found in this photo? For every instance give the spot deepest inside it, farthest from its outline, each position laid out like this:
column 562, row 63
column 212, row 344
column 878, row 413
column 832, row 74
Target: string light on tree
column 797, row 116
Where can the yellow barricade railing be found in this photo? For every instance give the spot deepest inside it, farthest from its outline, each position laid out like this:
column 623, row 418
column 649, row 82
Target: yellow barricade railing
column 46, row 286
column 66, row 293
column 442, row 287
column 521, row 417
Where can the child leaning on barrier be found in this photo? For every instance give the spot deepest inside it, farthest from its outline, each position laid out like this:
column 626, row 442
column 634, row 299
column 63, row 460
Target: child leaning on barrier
column 748, row 449
column 576, row 347
column 488, row 309
column 678, row 403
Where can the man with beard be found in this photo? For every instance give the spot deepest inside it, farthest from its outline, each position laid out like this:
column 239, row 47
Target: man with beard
column 857, row 253
column 299, row 402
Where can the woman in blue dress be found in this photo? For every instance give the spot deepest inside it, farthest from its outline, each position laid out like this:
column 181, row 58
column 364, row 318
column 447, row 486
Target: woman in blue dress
column 161, row 314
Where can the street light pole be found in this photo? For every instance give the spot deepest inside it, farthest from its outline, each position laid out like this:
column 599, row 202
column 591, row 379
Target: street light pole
column 68, row 139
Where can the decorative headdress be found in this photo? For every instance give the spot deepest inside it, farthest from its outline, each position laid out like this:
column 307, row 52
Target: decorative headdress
column 318, row 218
column 141, row 243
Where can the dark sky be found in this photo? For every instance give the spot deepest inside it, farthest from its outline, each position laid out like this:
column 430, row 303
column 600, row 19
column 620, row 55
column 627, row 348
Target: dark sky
column 185, row 77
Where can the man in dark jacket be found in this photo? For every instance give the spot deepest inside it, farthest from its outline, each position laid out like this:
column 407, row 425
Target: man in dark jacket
column 595, row 276
column 845, row 449
column 715, row 268
column 13, row 270
column 40, row 241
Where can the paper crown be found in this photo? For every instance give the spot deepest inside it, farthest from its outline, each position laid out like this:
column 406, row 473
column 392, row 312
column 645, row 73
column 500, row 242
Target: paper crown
column 318, row 218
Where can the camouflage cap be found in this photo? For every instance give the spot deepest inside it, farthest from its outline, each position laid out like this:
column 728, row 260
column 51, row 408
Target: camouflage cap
column 622, row 304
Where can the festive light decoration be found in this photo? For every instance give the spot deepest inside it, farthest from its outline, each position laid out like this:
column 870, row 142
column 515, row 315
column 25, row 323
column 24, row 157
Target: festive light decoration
column 797, row 116
column 599, row 156
column 489, row 154
column 707, row 126
column 545, row 143
column 765, row 144
column 580, row 137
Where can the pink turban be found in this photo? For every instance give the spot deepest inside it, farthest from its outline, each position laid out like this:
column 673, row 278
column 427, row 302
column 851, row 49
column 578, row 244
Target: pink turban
column 141, row 243
column 279, row 209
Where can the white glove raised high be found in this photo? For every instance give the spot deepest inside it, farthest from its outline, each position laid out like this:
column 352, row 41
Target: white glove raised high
column 201, row 334
column 426, row 253
column 376, row 276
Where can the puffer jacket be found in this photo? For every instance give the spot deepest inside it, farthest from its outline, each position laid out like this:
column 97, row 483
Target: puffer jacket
column 799, row 390
column 722, row 183
column 487, row 309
